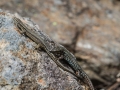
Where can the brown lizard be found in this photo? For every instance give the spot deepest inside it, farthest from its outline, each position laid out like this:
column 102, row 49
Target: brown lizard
column 34, row 36
column 41, row 40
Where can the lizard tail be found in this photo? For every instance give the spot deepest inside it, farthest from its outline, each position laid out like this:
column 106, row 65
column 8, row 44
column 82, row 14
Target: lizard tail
column 84, row 77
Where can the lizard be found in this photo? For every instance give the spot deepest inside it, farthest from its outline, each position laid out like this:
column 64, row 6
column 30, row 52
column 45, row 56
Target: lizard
column 34, row 36
column 61, row 52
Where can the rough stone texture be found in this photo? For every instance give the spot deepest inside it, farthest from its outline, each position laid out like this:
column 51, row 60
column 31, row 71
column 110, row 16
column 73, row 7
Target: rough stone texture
column 23, row 68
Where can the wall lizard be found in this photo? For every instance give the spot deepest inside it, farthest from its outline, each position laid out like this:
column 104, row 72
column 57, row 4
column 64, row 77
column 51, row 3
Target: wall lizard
column 66, row 55
column 26, row 30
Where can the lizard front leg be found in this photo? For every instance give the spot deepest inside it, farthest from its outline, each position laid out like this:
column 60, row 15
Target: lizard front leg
column 39, row 47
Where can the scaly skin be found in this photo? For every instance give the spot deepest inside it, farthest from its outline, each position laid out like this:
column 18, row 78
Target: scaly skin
column 67, row 56
column 34, row 36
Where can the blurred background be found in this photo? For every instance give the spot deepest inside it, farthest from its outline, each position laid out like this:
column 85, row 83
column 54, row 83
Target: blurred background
column 90, row 29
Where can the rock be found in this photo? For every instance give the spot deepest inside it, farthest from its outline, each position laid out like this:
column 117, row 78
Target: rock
column 23, row 68
column 99, row 41
column 89, row 28
column 99, row 45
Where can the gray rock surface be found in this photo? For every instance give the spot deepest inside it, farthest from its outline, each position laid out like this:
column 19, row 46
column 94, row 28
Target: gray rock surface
column 23, row 68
